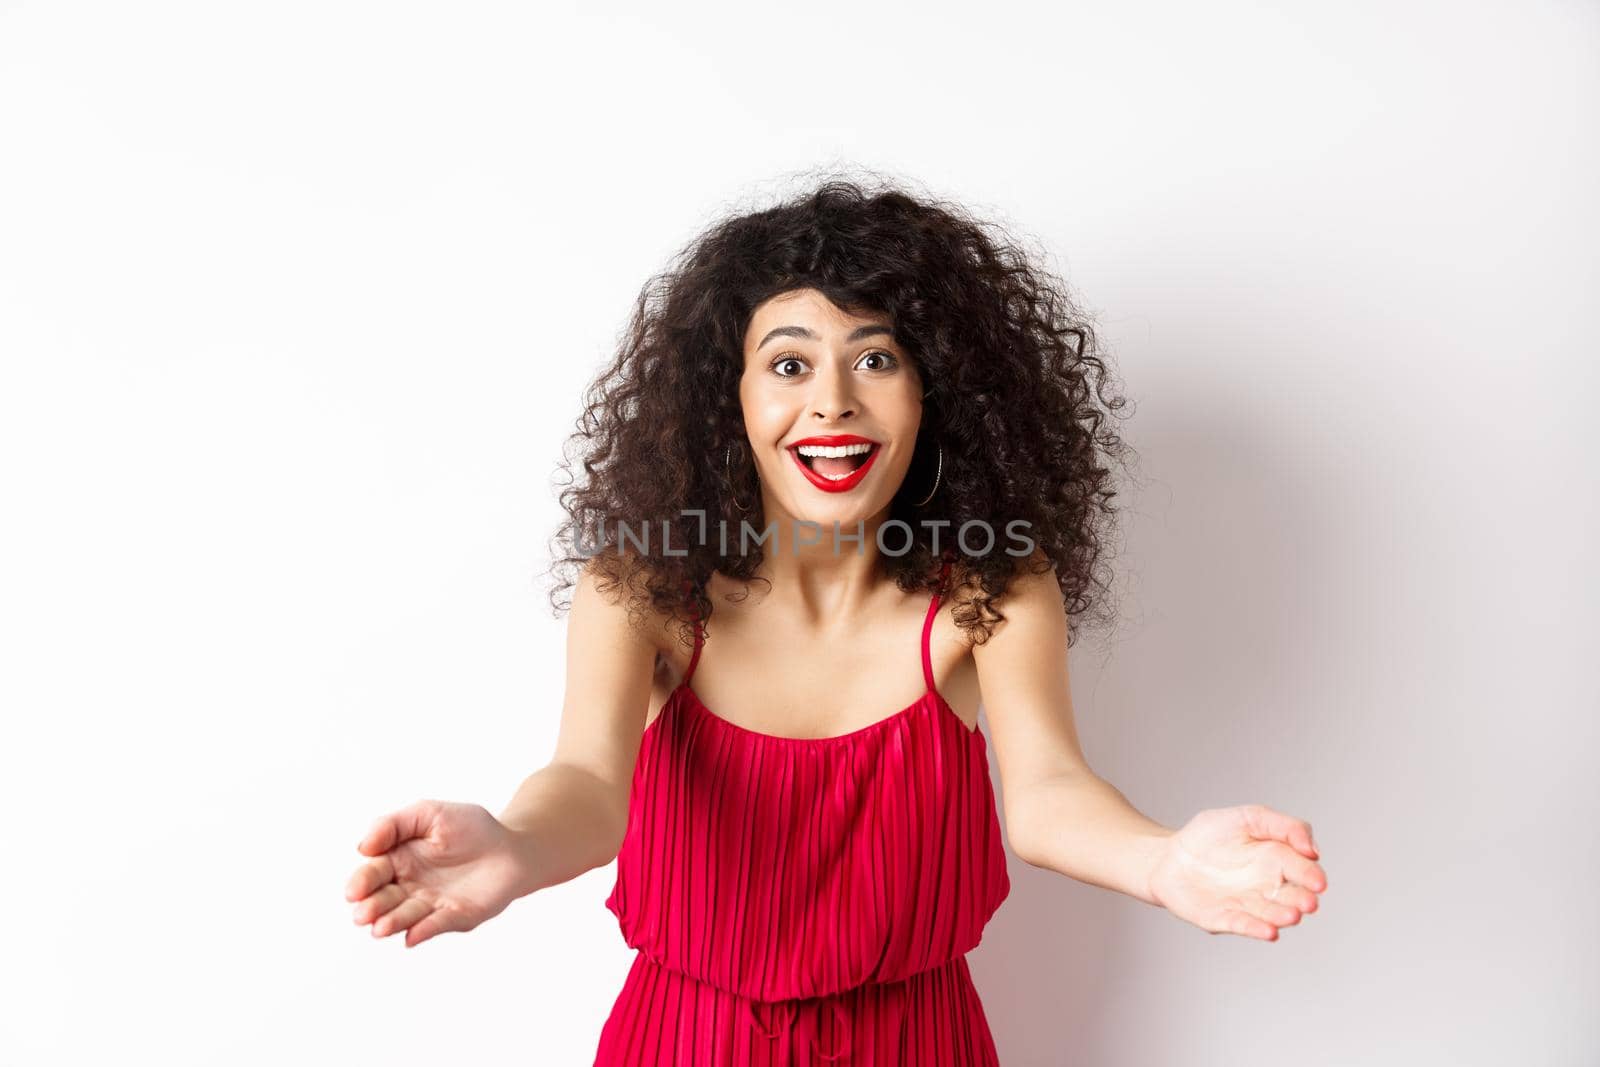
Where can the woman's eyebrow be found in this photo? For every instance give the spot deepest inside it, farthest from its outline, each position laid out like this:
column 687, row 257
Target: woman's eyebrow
column 871, row 329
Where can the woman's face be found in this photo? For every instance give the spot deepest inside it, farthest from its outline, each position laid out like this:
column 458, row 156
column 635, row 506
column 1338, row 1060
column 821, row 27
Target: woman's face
column 817, row 375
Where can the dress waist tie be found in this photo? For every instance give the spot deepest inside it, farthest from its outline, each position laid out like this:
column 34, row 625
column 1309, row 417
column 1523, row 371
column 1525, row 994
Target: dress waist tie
column 791, row 1009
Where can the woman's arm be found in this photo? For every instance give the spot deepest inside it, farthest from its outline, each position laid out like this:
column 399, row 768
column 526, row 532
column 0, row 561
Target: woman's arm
column 437, row 867
column 1083, row 827
column 563, row 822
column 1242, row 870
column 1060, row 815
column 570, row 815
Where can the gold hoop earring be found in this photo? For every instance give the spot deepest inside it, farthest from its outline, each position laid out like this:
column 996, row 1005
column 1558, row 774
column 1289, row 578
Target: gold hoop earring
column 727, row 462
column 937, row 471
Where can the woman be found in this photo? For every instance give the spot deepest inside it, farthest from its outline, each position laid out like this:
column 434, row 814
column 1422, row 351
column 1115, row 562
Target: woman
column 841, row 435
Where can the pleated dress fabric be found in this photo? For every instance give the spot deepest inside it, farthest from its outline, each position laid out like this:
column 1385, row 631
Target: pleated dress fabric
column 797, row 901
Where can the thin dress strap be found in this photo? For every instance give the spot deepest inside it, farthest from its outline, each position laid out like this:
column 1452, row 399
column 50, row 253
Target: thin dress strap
column 694, row 616
column 694, row 659
column 927, row 627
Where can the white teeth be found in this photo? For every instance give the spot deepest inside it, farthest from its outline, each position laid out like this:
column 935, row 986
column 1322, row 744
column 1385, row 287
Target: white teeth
column 833, row 452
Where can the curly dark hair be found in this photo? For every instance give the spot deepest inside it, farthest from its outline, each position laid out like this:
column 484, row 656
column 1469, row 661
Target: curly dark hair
column 1017, row 403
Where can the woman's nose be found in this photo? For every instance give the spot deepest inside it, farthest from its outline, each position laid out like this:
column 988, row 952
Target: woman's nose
column 833, row 395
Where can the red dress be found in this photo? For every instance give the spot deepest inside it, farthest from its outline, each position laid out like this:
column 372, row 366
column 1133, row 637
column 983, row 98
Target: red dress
column 795, row 901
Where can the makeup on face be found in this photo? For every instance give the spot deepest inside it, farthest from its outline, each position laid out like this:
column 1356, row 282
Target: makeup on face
column 815, row 373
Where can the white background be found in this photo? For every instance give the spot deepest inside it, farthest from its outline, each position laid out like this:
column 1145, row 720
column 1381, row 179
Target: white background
column 296, row 304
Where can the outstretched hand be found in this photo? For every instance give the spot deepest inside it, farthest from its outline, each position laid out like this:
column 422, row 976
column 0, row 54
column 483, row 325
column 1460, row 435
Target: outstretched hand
column 437, row 866
column 1244, row 870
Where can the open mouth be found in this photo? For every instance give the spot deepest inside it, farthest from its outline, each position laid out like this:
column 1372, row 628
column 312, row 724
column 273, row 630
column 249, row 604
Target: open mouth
column 835, row 463
column 835, row 468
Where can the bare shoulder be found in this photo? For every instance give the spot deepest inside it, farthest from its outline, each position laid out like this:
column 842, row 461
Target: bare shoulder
column 1031, row 605
column 1034, row 594
column 607, row 598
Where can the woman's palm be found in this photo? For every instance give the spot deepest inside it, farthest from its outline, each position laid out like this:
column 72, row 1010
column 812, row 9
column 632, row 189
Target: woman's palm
column 436, row 866
column 1243, row 870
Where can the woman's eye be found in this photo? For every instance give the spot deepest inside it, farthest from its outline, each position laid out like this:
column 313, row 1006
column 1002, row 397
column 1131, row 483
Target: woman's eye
column 883, row 361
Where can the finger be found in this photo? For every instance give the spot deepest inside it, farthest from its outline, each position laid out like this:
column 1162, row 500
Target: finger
column 370, row 876
column 378, row 904
column 411, row 821
column 1269, row 825
column 1298, row 897
column 1247, row 925
column 1271, row 907
column 408, row 912
column 1304, row 872
column 438, row 921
